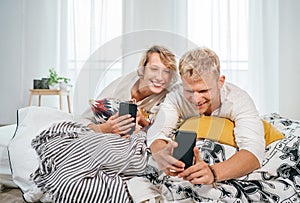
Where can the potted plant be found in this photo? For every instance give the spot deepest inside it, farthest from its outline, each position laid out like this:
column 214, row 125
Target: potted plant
column 53, row 80
column 57, row 82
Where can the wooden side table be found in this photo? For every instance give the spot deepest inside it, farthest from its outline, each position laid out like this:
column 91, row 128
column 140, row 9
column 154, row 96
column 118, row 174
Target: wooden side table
column 41, row 92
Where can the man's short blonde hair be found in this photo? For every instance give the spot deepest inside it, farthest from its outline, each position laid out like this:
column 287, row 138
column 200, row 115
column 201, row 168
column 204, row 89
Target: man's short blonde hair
column 199, row 61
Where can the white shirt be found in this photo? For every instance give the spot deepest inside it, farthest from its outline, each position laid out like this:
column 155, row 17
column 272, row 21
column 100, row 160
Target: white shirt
column 236, row 105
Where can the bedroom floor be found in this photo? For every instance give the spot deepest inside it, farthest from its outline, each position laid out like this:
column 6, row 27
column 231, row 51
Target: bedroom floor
column 11, row 196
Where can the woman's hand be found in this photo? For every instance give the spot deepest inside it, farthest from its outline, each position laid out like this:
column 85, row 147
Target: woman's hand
column 199, row 173
column 115, row 124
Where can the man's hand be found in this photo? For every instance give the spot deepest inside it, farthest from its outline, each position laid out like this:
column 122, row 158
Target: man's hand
column 162, row 154
column 199, row 173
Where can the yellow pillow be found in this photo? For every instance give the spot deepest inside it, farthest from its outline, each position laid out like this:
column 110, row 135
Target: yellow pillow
column 221, row 129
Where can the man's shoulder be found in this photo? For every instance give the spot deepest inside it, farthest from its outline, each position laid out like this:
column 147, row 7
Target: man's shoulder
column 177, row 87
column 232, row 89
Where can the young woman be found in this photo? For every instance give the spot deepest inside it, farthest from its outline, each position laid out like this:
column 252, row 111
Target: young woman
column 90, row 163
column 147, row 86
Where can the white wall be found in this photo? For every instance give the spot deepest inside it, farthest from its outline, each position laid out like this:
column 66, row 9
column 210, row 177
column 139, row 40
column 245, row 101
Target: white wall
column 289, row 58
column 24, row 54
column 11, row 59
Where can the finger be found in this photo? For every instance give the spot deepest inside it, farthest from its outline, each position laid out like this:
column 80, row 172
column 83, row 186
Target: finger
column 200, row 180
column 123, row 118
column 125, row 129
column 170, row 172
column 165, row 160
column 123, row 124
column 194, row 175
column 125, row 136
column 171, row 146
column 196, row 168
column 197, row 155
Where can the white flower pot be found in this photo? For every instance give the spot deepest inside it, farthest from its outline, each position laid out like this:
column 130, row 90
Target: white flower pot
column 54, row 86
column 64, row 86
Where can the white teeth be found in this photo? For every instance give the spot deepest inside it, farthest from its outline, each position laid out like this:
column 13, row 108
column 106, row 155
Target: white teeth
column 157, row 84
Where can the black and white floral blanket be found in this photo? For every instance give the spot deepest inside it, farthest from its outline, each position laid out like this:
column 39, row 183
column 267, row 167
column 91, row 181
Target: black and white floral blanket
column 278, row 180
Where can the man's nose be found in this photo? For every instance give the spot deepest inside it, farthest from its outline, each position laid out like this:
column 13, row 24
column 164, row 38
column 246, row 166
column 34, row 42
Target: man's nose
column 198, row 96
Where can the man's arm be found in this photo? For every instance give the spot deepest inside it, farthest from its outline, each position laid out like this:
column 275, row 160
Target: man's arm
column 249, row 136
column 241, row 163
column 159, row 134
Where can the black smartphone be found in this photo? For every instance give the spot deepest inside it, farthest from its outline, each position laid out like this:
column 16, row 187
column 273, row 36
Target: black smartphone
column 184, row 151
column 128, row 108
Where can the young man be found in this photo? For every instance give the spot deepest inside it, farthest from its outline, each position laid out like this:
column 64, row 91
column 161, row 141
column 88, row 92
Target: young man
column 204, row 92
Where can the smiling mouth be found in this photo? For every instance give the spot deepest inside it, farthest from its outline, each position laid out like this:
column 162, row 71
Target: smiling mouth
column 199, row 105
column 157, row 84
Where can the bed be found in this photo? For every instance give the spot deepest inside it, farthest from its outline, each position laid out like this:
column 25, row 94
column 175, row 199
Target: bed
column 19, row 160
column 9, row 190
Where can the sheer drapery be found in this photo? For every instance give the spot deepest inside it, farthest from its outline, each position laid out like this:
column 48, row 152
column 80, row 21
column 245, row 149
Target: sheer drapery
column 223, row 27
column 243, row 33
column 245, row 36
column 90, row 25
column 264, row 54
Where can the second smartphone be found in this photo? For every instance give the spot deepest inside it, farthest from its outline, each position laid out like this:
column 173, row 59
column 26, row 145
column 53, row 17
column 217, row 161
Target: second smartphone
column 128, row 108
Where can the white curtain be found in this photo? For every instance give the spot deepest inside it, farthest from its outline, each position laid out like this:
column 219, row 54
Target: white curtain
column 222, row 25
column 263, row 54
column 90, row 25
column 245, row 36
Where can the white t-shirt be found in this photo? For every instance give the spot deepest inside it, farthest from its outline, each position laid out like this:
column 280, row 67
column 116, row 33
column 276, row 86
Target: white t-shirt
column 236, row 105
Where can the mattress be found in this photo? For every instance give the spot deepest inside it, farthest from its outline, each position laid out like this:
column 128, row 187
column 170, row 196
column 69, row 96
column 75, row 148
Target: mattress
column 6, row 134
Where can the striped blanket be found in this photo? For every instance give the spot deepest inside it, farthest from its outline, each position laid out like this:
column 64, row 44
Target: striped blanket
column 79, row 165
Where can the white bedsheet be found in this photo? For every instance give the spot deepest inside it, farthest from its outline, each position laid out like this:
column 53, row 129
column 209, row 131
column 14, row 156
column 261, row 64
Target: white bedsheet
column 6, row 134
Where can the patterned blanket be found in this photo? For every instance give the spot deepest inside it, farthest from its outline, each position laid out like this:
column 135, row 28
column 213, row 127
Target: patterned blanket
column 278, row 180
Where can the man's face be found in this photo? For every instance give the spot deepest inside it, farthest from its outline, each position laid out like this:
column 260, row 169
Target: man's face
column 203, row 94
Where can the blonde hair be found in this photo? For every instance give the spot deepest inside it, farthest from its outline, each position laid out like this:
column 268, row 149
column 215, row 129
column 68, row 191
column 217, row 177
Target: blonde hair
column 166, row 57
column 196, row 62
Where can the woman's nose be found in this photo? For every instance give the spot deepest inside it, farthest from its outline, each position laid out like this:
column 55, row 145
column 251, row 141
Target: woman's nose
column 159, row 75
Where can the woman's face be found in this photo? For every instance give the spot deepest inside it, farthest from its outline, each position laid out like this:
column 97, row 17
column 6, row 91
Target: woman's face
column 156, row 75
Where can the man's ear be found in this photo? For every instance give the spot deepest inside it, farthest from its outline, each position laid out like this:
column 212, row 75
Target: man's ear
column 221, row 81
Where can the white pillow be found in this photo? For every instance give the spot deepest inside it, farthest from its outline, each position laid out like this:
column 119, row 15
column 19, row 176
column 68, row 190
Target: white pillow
column 23, row 158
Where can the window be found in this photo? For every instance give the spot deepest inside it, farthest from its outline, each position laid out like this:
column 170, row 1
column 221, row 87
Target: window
column 222, row 26
column 90, row 25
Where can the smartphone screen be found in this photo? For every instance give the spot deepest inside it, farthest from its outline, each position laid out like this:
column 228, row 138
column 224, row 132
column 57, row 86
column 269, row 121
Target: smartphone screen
column 128, row 108
column 186, row 142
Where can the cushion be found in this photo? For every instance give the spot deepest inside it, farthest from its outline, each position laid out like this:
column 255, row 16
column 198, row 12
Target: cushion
column 221, row 129
column 104, row 108
column 23, row 158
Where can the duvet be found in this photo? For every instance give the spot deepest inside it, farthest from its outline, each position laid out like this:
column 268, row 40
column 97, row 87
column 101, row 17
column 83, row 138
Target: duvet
column 78, row 165
column 278, row 180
